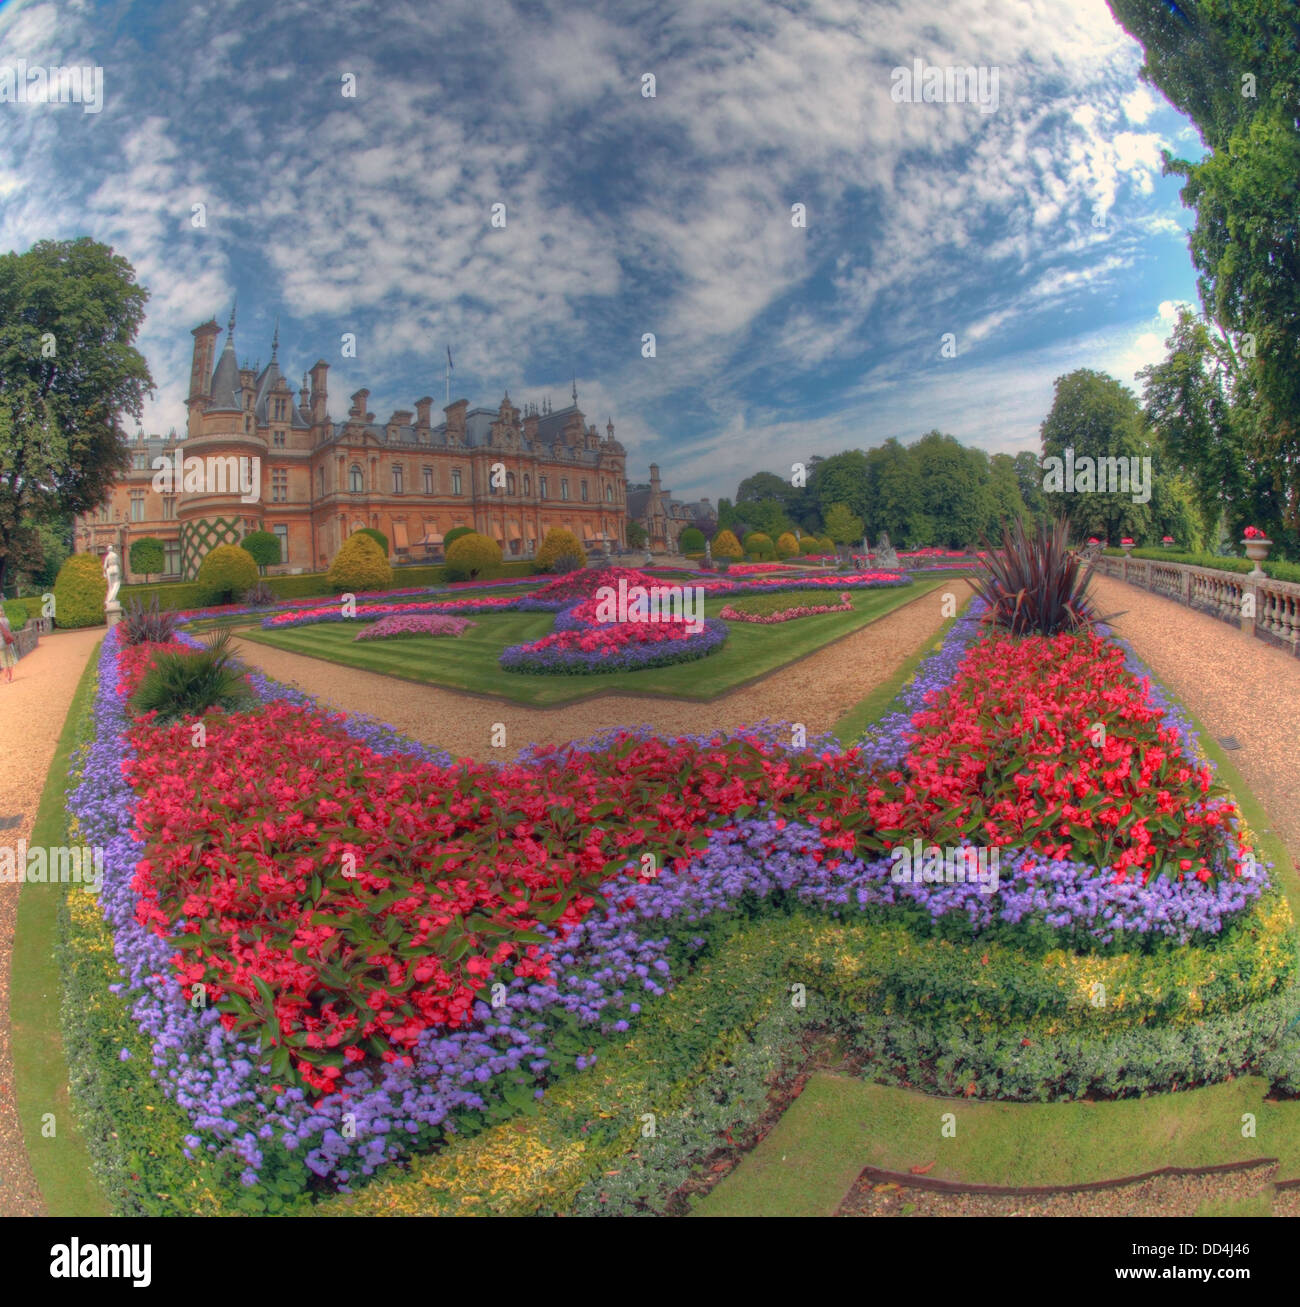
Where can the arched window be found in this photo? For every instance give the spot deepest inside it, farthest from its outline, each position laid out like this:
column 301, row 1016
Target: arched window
column 356, row 482
column 609, row 493
column 528, row 484
column 510, row 483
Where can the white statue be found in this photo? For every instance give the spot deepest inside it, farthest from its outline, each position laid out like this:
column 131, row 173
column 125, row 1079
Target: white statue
column 113, row 575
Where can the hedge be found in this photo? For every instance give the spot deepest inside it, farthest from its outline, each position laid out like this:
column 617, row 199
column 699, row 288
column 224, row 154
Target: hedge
column 79, row 592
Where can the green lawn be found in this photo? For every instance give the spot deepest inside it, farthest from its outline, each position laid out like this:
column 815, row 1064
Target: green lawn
column 470, row 662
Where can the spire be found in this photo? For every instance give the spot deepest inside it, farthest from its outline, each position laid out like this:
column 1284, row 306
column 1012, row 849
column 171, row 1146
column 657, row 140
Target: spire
column 225, row 376
column 575, row 389
column 275, row 338
column 230, row 326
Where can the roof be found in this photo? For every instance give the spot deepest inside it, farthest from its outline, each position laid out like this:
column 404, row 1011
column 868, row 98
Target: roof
column 224, row 391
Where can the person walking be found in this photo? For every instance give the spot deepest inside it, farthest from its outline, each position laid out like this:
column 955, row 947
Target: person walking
column 8, row 647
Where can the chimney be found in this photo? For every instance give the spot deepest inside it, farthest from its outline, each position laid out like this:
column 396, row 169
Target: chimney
column 422, row 410
column 319, row 395
column 201, row 366
column 358, row 409
column 455, row 415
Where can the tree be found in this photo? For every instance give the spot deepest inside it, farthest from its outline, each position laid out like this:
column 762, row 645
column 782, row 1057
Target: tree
column 558, row 544
column 1098, row 418
column 1029, row 479
column 691, row 541
column 265, row 548
column 895, row 501
column 727, row 519
column 225, row 573
column 843, row 479
column 951, row 484
column 763, row 485
column 453, row 535
column 69, row 375
column 358, row 566
column 725, row 545
column 147, row 556
column 1005, row 499
column 843, row 527
column 767, row 516
column 787, row 546
column 472, row 556
column 636, row 535
column 377, row 536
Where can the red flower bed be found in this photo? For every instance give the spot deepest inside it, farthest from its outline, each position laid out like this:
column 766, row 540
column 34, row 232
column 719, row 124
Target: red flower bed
column 580, row 584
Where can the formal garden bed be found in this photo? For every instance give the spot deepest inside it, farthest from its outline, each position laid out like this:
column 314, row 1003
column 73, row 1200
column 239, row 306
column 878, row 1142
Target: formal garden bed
column 383, row 985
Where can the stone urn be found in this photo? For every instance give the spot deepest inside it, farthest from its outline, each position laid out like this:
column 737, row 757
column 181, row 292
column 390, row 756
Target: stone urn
column 1127, row 546
column 1257, row 552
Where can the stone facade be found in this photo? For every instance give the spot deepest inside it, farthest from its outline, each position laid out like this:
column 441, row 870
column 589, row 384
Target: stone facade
column 318, row 480
column 664, row 517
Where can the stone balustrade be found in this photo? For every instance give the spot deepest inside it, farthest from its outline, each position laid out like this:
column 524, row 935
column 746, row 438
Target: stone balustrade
column 25, row 639
column 1268, row 609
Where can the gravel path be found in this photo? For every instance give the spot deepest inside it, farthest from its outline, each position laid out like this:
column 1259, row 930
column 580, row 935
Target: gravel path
column 1237, row 685
column 32, row 711
column 816, row 690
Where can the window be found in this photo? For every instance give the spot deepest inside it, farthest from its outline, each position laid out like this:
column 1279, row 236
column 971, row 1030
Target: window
column 320, row 478
column 282, row 535
column 541, row 487
column 397, row 478
column 137, row 506
column 171, row 557
column 279, row 411
column 583, row 488
column 528, row 484
column 510, row 483
column 455, row 481
column 139, row 461
column 248, row 425
column 356, row 483
column 279, row 485
column 609, row 493
column 564, row 487
column 169, row 506
column 103, row 512
column 277, row 439
column 428, row 480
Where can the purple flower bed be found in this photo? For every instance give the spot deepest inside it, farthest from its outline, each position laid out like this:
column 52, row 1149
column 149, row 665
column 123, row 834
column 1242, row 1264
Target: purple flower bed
column 402, row 628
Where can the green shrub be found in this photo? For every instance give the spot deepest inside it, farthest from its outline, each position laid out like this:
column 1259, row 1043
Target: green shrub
column 810, row 545
column 759, row 547
column 264, row 546
column 15, row 612
column 188, row 684
column 786, row 545
column 472, row 556
column 825, row 545
column 359, row 565
column 224, row 574
column 691, row 541
column 455, row 534
column 377, row 536
column 559, row 544
column 147, row 555
column 725, row 545
column 79, row 592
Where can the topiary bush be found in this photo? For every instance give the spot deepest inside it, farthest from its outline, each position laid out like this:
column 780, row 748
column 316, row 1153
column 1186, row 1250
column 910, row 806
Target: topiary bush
column 759, row 547
column 359, row 565
column 455, row 534
column 79, row 592
column 725, row 545
column 224, row 574
column 264, row 546
column 558, row 544
column 377, row 536
column 810, row 545
column 147, row 555
column 786, row 545
column 691, row 541
column 472, row 556
column 826, row 545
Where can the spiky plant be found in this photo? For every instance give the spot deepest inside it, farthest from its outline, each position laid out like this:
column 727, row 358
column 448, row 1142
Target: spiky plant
column 188, row 684
column 146, row 625
column 1035, row 584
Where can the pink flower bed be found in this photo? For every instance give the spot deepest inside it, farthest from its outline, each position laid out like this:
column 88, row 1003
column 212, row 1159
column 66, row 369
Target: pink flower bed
column 406, row 626
column 732, row 614
column 748, row 569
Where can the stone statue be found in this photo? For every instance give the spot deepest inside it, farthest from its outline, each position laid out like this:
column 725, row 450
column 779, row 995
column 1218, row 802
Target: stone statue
column 886, row 556
column 708, row 552
column 113, row 575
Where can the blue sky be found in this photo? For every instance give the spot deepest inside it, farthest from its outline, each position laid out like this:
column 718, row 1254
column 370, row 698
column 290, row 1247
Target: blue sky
column 625, row 215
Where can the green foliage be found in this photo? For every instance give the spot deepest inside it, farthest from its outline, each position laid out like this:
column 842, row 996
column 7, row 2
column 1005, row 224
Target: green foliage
column 147, row 556
column 826, row 545
column 79, row 592
column 36, row 552
column 380, row 538
column 179, row 685
column 843, row 479
column 224, row 574
column 146, row 623
column 691, row 541
column 759, row 546
column 473, row 556
column 1274, row 568
column 787, row 546
column 358, row 566
column 725, row 545
column 558, row 544
column 455, row 534
column 15, row 613
column 810, row 545
column 264, row 547
column 842, row 526
column 61, row 414
column 636, row 535
column 1035, row 584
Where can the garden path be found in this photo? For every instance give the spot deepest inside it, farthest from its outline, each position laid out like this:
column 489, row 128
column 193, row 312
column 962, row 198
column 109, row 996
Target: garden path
column 1237, row 685
column 32, row 711
column 816, row 690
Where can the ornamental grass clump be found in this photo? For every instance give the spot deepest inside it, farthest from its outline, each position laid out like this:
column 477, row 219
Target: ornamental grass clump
column 146, row 624
column 1036, row 584
column 188, row 684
